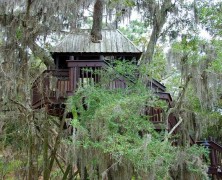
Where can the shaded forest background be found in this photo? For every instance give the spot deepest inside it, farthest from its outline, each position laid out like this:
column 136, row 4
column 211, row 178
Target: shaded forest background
column 176, row 52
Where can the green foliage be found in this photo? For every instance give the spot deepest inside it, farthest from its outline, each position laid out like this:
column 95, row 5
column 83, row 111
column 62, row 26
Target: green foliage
column 56, row 174
column 201, row 59
column 214, row 128
column 210, row 16
column 13, row 136
column 120, row 69
column 19, row 33
column 6, row 168
column 113, row 124
column 216, row 64
column 157, row 68
column 190, row 45
column 136, row 31
column 193, row 158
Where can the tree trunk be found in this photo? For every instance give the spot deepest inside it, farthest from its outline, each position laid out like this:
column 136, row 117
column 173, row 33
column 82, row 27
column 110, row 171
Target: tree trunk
column 96, row 34
column 159, row 19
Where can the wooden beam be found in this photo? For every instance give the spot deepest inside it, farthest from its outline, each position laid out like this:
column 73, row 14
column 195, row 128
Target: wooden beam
column 85, row 63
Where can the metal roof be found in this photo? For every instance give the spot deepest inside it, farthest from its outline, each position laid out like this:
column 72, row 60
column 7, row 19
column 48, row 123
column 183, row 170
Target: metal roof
column 113, row 41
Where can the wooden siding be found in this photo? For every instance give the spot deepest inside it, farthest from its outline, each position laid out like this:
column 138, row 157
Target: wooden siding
column 113, row 42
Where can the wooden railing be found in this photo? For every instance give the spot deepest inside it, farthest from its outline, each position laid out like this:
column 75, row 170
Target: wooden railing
column 215, row 156
column 83, row 72
column 117, row 83
column 50, row 86
column 155, row 114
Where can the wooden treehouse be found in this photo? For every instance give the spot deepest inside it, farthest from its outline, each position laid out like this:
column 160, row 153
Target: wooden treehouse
column 76, row 53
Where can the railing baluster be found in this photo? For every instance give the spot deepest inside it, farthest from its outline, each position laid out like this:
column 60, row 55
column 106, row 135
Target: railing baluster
column 75, row 79
column 91, row 76
column 97, row 75
column 81, row 79
column 87, row 75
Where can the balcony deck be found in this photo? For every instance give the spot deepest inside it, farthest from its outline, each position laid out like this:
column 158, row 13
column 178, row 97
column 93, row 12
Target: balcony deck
column 50, row 87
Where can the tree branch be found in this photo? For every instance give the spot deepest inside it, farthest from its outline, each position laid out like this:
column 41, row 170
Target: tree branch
column 177, row 107
column 173, row 129
column 19, row 104
column 57, row 141
column 43, row 55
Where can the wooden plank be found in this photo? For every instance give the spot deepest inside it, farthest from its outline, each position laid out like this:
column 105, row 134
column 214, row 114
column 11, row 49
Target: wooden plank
column 86, row 44
column 119, row 45
column 82, row 42
column 74, row 43
column 108, row 42
column 102, row 43
column 124, row 44
column 113, row 42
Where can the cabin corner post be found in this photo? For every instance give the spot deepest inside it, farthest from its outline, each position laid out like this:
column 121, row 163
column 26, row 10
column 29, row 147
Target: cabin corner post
column 73, row 77
column 213, row 157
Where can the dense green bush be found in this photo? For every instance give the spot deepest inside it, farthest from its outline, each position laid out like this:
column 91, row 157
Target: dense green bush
column 112, row 134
